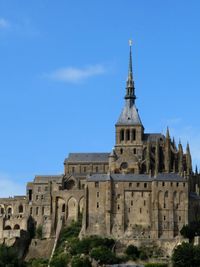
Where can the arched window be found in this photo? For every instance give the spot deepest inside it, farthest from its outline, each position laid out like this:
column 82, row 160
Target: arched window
column 16, row 227
column 7, row 227
column 20, row 208
column 128, row 135
column 2, row 210
column 37, row 211
column 133, row 135
column 121, row 151
column 9, row 211
column 122, row 135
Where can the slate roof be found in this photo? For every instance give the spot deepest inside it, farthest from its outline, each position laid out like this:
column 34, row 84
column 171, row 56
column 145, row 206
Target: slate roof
column 129, row 116
column 135, row 177
column 46, row 178
column 153, row 137
column 87, row 157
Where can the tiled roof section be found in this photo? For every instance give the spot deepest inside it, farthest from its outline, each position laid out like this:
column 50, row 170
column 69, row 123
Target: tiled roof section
column 129, row 116
column 46, row 178
column 135, row 177
column 87, row 157
column 153, row 137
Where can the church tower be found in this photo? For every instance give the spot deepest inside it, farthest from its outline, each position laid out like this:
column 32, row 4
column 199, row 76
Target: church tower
column 129, row 131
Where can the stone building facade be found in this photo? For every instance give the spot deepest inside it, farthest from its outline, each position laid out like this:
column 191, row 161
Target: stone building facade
column 144, row 189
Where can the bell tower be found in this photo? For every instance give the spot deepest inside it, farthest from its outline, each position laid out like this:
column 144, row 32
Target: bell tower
column 128, row 130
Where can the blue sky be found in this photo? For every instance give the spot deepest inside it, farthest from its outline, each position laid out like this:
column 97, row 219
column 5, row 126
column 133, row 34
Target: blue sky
column 63, row 66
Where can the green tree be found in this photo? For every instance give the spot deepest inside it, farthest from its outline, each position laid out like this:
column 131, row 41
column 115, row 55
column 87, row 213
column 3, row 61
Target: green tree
column 81, row 262
column 39, row 232
column 184, row 255
column 104, row 255
column 8, row 257
column 132, row 251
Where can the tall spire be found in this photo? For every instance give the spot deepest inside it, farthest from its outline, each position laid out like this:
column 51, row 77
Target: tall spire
column 130, row 89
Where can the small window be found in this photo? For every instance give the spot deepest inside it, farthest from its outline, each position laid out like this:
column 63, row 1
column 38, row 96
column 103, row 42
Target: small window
column 118, row 196
column 132, row 193
column 164, row 218
column 142, row 194
column 171, row 184
column 96, row 169
column 130, row 184
column 144, row 202
column 42, row 210
column 97, row 194
column 129, row 210
column 134, row 151
column 138, row 184
column 118, row 207
column 97, row 205
column 37, row 210
column 177, row 184
column 131, row 202
column 121, row 151
column 145, row 185
column 42, row 197
column 73, row 169
column 63, row 208
column 179, row 218
column 163, row 184
column 31, row 211
column 140, row 210
column 36, row 197
column 164, row 206
column 46, row 188
column 184, row 184
column 122, row 135
column 96, row 184
column 84, row 169
column 133, row 135
column 128, row 135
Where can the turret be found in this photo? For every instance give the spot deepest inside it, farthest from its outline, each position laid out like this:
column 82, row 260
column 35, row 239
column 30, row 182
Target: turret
column 180, row 159
column 188, row 160
column 167, row 152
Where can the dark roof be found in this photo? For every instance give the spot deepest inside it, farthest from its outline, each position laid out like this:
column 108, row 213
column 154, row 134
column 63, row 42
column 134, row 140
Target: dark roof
column 153, row 137
column 129, row 116
column 46, row 178
column 135, row 177
column 87, row 157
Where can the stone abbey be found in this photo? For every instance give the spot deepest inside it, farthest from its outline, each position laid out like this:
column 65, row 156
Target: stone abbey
column 142, row 191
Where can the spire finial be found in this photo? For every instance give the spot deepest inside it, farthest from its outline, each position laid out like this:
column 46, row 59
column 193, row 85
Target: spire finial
column 130, row 89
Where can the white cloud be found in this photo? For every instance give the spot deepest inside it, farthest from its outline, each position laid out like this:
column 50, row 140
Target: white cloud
column 74, row 75
column 4, row 23
column 9, row 187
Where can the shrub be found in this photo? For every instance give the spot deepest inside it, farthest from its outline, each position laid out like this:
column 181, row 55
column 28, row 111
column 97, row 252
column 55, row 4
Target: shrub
column 132, row 251
column 60, row 260
column 104, row 255
column 8, row 257
column 143, row 255
column 184, row 255
column 156, row 265
column 37, row 263
column 81, row 262
column 39, row 232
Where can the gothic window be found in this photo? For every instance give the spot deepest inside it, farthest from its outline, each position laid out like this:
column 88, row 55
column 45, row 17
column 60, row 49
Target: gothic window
column 184, row 184
column 122, row 135
column 138, row 184
column 9, row 211
column 133, row 134
column 97, row 205
column 164, row 218
column 163, row 184
column 20, row 208
column 7, row 227
column 134, row 151
column 30, row 194
column 2, row 210
column 177, row 184
column 124, row 165
column 37, row 210
column 42, row 210
column 130, row 184
column 145, row 185
column 171, row 183
column 121, row 151
column 131, row 202
column 84, row 169
column 128, row 135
